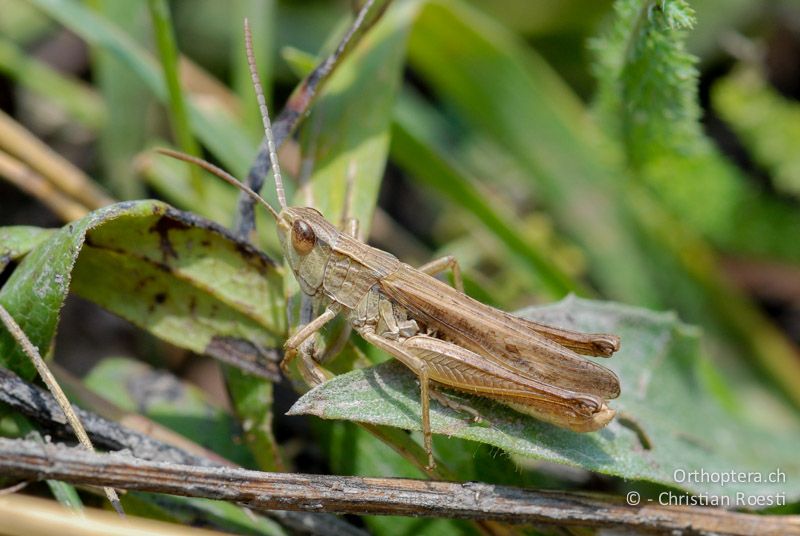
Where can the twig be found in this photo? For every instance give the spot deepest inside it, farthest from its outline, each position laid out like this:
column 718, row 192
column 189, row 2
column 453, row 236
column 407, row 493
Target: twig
column 33, row 354
column 299, row 104
column 39, row 405
column 382, row 496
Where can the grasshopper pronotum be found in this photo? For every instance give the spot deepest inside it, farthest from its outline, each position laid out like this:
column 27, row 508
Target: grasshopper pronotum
column 445, row 337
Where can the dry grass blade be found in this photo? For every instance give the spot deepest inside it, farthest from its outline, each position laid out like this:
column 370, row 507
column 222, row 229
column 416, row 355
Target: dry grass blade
column 41, row 367
column 23, row 515
column 29, row 181
column 18, row 141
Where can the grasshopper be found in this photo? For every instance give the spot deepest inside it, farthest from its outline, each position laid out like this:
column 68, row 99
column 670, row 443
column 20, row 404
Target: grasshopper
column 442, row 335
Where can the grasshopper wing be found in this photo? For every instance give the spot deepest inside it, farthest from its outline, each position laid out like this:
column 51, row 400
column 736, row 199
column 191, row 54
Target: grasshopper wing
column 510, row 342
column 461, row 369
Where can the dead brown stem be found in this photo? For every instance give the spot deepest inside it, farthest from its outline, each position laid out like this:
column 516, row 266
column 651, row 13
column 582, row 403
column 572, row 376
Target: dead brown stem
column 382, row 496
column 55, row 169
column 40, row 406
column 30, row 182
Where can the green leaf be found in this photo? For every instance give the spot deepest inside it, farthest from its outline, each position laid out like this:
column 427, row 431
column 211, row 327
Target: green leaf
column 37, row 288
column 193, row 285
column 182, row 278
column 669, row 419
column 17, row 241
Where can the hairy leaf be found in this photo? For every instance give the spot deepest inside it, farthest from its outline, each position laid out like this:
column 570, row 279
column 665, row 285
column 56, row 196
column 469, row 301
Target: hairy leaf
column 648, row 99
column 669, row 417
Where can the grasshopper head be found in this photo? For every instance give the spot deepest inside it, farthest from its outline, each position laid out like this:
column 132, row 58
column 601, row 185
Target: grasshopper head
column 307, row 240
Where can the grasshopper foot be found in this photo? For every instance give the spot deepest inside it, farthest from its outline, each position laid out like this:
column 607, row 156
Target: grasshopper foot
column 431, row 463
column 472, row 415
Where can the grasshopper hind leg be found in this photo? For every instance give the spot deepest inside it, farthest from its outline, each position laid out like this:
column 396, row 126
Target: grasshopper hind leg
column 418, row 367
column 448, row 262
column 447, row 401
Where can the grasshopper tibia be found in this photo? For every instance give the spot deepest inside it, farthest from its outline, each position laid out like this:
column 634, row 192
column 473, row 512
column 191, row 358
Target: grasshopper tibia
column 440, row 265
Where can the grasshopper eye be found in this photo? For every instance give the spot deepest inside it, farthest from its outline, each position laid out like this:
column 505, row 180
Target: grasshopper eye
column 303, row 237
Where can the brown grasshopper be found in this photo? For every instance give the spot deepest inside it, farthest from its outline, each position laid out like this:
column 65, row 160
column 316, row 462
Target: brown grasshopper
column 445, row 337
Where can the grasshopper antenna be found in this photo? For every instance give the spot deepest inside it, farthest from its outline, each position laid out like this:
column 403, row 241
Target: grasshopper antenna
column 222, row 174
column 262, row 106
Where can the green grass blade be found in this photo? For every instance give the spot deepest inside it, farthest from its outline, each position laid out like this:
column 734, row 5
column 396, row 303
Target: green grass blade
column 508, row 93
column 217, row 129
column 767, row 123
column 412, row 151
column 346, row 137
column 261, row 17
column 167, row 48
column 253, row 404
column 80, row 101
column 125, row 132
